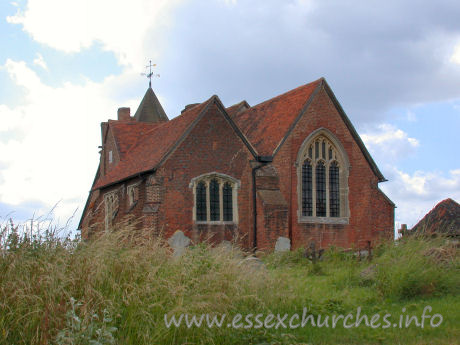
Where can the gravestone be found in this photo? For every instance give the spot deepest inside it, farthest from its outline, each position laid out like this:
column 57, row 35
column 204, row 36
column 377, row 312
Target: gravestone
column 283, row 244
column 178, row 243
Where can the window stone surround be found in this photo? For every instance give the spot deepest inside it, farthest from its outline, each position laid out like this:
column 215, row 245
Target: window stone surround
column 222, row 179
column 344, row 168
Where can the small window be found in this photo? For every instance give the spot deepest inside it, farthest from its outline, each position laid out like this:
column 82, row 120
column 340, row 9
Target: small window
column 215, row 198
column 111, row 208
column 110, row 157
column 133, row 194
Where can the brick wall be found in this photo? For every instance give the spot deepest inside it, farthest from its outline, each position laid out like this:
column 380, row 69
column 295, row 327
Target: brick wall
column 371, row 214
column 165, row 200
column 212, row 146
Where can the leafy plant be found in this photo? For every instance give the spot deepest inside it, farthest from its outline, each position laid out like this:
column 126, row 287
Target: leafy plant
column 83, row 331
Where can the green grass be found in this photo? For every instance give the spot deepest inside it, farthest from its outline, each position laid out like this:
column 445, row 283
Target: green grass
column 116, row 290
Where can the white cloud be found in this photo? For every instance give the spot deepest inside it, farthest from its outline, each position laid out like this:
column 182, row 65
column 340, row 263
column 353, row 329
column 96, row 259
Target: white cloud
column 121, row 26
column 389, row 143
column 387, row 134
column 39, row 61
column 455, row 57
column 49, row 143
column 416, row 194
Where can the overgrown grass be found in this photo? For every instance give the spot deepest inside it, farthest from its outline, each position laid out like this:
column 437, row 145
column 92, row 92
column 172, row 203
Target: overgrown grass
column 116, row 289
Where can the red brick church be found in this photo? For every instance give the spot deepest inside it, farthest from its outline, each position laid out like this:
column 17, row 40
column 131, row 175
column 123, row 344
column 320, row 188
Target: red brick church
column 291, row 169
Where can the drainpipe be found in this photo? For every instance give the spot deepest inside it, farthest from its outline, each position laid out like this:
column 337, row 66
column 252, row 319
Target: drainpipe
column 263, row 160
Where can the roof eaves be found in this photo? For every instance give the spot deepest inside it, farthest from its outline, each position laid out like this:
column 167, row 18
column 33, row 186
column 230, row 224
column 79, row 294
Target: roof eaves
column 138, row 174
column 354, row 133
column 387, row 198
column 87, row 200
column 166, row 155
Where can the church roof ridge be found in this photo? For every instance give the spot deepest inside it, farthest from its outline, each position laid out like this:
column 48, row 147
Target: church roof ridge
column 263, row 127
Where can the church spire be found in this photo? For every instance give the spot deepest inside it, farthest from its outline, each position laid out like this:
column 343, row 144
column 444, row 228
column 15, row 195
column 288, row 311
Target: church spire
column 150, row 109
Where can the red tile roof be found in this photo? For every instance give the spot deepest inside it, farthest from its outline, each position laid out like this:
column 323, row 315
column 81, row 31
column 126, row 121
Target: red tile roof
column 149, row 148
column 444, row 218
column 143, row 145
column 266, row 124
column 235, row 108
column 127, row 134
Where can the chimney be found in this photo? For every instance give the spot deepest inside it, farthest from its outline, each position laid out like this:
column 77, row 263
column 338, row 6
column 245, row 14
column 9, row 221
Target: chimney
column 189, row 106
column 403, row 229
column 124, row 114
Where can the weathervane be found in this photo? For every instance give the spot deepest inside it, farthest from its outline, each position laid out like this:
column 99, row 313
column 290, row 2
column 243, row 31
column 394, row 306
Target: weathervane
column 150, row 74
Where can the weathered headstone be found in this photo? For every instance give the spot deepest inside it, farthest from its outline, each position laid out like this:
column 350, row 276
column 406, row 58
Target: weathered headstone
column 226, row 245
column 283, row 244
column 178, row 243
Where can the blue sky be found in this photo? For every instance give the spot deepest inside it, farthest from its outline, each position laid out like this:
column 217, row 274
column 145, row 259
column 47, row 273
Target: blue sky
column 68, row 65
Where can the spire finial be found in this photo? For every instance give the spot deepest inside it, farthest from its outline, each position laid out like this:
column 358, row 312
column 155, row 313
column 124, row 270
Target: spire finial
column 150, row 74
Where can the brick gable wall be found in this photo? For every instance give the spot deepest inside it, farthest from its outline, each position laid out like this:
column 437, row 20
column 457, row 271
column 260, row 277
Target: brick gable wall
column 371, row 213
column 165, row 199
column 212, row 146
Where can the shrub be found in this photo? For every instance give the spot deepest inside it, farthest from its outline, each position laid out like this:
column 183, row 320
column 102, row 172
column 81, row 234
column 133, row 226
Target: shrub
column 417, row 267
column 286, row 258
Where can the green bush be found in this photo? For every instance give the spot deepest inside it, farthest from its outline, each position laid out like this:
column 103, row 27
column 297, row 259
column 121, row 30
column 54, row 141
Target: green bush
column 286, row 258
column 417, row 267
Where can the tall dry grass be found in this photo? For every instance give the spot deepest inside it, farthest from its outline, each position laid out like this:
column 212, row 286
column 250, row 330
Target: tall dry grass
column 116, row 288
column 56, row 290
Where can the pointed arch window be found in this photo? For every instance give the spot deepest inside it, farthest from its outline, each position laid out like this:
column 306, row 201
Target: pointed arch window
column 322, row 179
column 215, row 198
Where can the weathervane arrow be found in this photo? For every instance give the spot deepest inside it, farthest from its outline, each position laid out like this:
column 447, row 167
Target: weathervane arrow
column 150, row 74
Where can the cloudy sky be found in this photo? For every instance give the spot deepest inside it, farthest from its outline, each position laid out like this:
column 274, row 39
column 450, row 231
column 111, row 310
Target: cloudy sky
column 67, row 65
